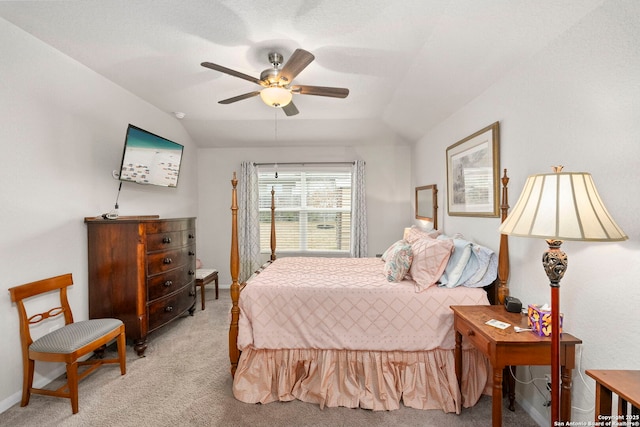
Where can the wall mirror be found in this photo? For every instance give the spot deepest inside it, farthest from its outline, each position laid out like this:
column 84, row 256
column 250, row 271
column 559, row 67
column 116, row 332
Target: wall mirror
column 427, row 204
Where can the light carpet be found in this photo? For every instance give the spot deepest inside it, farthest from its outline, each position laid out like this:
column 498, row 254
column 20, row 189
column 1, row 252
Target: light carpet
column 184, row 380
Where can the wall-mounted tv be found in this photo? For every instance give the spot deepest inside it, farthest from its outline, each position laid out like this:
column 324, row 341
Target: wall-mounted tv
column 150, row 159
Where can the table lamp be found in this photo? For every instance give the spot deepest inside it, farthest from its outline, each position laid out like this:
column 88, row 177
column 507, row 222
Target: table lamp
column 560, row 206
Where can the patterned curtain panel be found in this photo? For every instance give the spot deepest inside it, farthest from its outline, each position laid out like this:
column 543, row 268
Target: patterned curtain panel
column 359, row 211
column 248, row 221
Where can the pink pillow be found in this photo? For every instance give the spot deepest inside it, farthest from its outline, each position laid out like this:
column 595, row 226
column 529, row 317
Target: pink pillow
column 430, row 258
column 414, row 233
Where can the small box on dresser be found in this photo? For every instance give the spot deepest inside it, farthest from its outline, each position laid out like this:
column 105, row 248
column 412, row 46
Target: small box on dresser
column 142, row 271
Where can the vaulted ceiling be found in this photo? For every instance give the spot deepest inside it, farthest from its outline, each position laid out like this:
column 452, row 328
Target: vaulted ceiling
column 408, row 64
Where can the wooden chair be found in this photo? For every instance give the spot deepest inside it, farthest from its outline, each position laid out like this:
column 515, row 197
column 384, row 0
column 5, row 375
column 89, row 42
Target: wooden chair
column 204, row 276
column 66, row 344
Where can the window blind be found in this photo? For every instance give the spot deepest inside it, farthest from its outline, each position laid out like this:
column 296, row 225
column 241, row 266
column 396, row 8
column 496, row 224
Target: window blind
column 313, row 210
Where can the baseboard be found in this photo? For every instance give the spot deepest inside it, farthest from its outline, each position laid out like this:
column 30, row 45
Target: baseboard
column 38, row 382
column 533, row 412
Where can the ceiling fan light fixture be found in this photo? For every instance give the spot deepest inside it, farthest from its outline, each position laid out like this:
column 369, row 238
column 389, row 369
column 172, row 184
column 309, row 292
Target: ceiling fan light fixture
column 276, row 96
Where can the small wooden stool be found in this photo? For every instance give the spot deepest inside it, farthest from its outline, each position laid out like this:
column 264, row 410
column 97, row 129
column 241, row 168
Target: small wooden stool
column 205, row 276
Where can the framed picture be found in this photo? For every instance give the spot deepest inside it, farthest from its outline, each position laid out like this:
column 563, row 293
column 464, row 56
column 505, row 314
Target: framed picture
column 473, row 174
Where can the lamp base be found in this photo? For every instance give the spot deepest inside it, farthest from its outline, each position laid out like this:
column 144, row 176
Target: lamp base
column 554, row 261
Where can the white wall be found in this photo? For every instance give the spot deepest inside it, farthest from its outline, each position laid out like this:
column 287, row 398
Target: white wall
column 62, row 131
column 577, row 104
column 388, row 180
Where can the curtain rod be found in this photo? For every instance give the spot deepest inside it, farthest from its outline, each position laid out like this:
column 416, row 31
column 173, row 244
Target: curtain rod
column 303, row 163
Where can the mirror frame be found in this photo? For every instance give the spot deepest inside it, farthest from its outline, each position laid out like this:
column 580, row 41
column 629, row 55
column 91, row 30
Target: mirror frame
column 424, row 193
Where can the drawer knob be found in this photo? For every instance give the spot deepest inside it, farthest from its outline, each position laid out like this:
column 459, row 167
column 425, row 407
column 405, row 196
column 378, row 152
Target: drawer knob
column 191, row 253
column 192, row 236
column 471, row 333
column 167, row 261
column 168, row 283
column 191, row 272
column 166, row 240
column 168, row 309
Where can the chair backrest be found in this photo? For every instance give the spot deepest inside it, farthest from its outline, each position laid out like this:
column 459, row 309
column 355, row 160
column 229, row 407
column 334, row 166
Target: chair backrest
column 22, row 292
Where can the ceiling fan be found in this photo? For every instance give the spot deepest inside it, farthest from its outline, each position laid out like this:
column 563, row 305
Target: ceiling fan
column 276, row 82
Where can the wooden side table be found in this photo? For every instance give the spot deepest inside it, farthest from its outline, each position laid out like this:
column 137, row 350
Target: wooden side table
column 624, row 383
column 506, row 347
column 204, row 276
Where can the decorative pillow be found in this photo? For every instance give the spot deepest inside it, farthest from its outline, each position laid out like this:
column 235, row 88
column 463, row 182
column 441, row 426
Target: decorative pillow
column 430, row 257
column 392, row 249
column 414, row 233
column 398, row 261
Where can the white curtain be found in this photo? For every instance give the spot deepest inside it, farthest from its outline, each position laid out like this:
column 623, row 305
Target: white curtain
column 248, row 221
column 359, row 211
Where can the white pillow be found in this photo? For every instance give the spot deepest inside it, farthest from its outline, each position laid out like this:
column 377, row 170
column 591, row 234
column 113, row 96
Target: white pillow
column 457, row 263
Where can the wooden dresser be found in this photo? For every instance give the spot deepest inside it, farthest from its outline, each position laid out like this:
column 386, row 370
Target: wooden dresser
column 142, row 271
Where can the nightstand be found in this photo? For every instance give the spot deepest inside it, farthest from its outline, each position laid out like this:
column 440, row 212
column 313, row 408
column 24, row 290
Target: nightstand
column 506, row 347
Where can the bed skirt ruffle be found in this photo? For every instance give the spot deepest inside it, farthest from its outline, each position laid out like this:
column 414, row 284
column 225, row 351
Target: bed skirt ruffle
column 366, row 379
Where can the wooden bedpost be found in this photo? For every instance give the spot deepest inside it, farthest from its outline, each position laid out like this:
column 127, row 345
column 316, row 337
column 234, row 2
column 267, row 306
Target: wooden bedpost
column 234, row 353
column 503, row 260
column 273, row 225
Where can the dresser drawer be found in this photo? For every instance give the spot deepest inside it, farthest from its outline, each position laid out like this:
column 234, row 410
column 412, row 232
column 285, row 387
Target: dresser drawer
column 164, row 284
column 170, row 239
column 168, row 260
column 167, row 226
column 166, row 309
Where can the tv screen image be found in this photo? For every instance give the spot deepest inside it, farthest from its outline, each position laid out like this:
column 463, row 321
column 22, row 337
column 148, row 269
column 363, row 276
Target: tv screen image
column 150, row 159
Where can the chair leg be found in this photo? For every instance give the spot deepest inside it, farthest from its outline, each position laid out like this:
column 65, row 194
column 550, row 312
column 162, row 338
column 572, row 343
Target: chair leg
column 27, row 381
column 202, row 294
column 72, row 383
column 122, row 352
column 216, row 287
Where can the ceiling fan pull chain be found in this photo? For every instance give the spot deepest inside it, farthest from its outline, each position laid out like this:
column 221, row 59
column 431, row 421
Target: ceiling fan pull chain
column 275, row 115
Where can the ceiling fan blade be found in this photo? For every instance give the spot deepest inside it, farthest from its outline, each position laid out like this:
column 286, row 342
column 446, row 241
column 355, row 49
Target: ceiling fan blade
column 334, row 92
column 290, row 109
column 231, row 72
column 239, row 97
column 298, row 62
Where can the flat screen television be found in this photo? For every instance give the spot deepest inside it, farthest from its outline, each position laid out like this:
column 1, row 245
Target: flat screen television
column 150, row 159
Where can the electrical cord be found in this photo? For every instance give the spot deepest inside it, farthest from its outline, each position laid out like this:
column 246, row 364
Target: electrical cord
column 585, row 384
column 547, row 397
column 531, row 381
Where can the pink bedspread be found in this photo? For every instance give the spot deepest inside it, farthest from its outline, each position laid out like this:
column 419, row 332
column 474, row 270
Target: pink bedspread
column 345, row 304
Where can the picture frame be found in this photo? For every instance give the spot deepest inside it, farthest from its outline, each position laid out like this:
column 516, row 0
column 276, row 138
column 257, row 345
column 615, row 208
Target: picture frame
column 473, row 174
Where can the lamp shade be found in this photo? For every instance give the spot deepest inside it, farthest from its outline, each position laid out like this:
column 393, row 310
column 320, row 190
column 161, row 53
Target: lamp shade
column 276, row 96
column 562, row 206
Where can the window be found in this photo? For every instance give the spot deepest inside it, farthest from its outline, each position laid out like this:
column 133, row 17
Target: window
column 313, row 209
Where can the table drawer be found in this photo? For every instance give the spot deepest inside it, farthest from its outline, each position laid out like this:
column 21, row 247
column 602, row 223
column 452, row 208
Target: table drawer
column 166, row 309
column 164, row 284
column 168, row 260
column 470, row 333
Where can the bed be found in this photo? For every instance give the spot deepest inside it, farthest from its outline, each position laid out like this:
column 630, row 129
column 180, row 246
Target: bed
column 337, row 332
